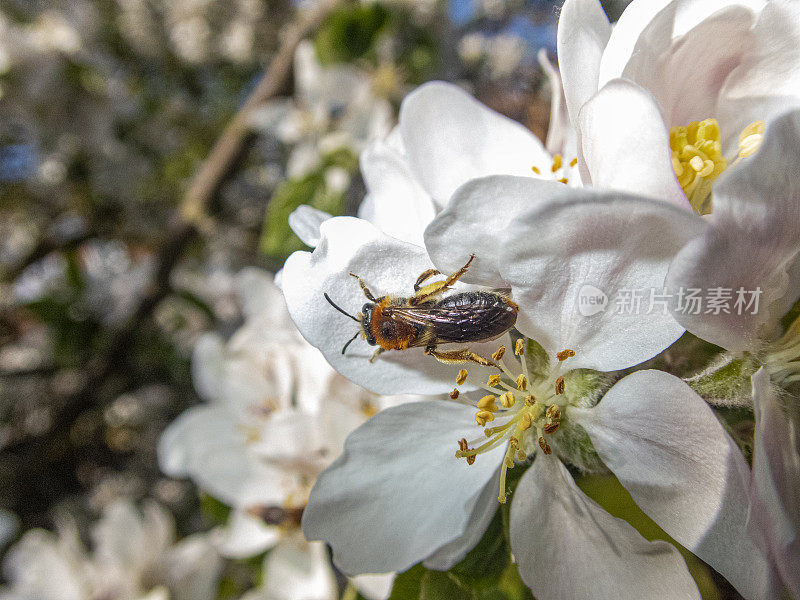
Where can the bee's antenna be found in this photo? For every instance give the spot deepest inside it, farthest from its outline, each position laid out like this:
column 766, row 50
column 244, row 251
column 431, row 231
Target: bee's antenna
column 350, row 341
column 341, row 310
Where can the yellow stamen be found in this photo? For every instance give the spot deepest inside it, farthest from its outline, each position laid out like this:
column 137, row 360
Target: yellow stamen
column 536, row 170
column 522, row 382
column 483, row 416
column 750, row 139
column 556, row 163
column 525, row 422
column 553, row 412
column 462, row 376
column 544, row 446
column 563, row 180
column 697, row 160
column 573, row 162
column 565, row 354
column 508, row 400
column 454, row 394
column 487, row 403
column 499, row 353
column 519, row 347
column 493, row 380
column 551, row 427
column 560, row 385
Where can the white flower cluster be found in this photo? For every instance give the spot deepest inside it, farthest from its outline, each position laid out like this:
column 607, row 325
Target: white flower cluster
column 671, row 164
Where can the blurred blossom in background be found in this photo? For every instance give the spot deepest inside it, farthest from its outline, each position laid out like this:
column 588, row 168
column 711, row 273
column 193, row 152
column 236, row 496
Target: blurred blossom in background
column 162, row 420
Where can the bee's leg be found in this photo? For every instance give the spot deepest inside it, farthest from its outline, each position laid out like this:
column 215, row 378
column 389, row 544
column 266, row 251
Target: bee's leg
column 377, row 353
column 430, row 291
column 364, row 288
column 424, row 277
column 456, row 357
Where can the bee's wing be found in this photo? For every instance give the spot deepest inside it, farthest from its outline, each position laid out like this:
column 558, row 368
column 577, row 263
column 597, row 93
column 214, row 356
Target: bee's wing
column 447, row 324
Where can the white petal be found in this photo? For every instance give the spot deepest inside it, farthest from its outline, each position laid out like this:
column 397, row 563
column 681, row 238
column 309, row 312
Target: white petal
column 398, row 493
column 583, row 32
column 767, row 82
column 451, row 138
column 298, row 569
column 643, row 19
column 606, row 246
column 374, row 586
column 685, row 88
column 244, row 535
column 389, row 266
column 568, row 547
column 396, row 203
column 305, row 221
column 484, row 506
column 625, row 143
column 753, row 244
column 475, row 222
column 208, row 366
column 668, row 449
column 193, row 568
column 209, row 444
column 775, row 498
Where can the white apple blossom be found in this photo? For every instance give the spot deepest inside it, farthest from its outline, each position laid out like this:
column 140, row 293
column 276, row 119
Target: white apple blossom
column 333, row 107
column 681, row 87
column 545, row 241
column 275, row 415
column 133, row 557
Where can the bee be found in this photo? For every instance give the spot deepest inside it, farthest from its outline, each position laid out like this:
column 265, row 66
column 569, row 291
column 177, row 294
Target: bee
column 429, row 318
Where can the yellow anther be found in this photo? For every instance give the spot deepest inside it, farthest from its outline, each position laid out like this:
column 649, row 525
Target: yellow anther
column 560, row 385
column 697, row 160
column 530, row 400
column 565, row 354
column 464, row 448
column 556, row 163
column 499, row 353
column 525, row 422
column 522, row 382
column 545, row 446
column 483, row 416
column 513, row 442
column 519, row 347
column 508, row 400
column 750, row 139
column 551, row 427
column 493, row 380
column 553, row 412
column 487, row 403
column 509, row 462
column 521, row 456
column 462, row 376
column 573, row 162
column 536, row 170
column 454, row 394
column 563, row 180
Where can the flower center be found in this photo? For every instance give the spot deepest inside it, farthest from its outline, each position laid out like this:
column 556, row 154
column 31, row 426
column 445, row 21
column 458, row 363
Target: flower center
column 525, row 406
column 697, row 157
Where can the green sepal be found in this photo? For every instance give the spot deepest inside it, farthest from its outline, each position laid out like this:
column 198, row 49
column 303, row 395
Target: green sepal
column 537, row 359
column 726, row 381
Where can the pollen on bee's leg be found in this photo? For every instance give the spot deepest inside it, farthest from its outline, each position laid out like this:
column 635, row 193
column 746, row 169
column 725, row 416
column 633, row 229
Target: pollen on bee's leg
column 545, row 446
column 519, row 347
column 499, row 353
column 462, row 376
column 454, row 394
column 560, row 385
column 565, row 354
column 522, row 382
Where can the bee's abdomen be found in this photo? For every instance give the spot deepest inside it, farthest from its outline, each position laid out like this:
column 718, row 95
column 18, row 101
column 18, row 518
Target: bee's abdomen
column 473, row 317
